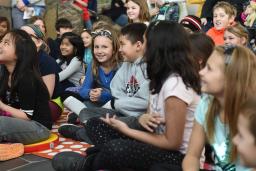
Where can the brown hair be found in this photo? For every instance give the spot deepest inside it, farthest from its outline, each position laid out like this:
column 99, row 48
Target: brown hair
column 240, row 81
column 4, row 19
column 239, row 31
column 227, row 7
column 144, row 15
column 33, row 19
column 248, row 110
column 115, row 43
column 201, row 48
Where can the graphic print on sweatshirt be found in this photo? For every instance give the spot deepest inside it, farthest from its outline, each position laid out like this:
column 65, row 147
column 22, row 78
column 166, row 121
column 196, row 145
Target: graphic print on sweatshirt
column 132, row 86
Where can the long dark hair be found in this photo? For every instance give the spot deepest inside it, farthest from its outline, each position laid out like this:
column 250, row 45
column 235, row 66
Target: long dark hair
column 167, row 52
column 27, row 63
column 77, row 43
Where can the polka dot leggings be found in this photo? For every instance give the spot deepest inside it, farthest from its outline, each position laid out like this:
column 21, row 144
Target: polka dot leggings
column 118, row 151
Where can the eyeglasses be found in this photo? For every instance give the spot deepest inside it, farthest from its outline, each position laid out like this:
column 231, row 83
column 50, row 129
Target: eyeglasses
column 105, row 33
column 228, row 50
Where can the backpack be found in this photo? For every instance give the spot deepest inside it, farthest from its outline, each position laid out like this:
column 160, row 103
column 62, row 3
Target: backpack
column 168, row 11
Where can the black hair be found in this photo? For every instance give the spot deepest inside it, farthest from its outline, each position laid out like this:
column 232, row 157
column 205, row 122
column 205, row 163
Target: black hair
column 63, row 23
column 77, row 43
column 167, row 52
column 134, row 32
column 27, row 62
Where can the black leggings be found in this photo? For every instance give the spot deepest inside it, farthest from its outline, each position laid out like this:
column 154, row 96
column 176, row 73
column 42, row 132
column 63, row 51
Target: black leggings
column 117, row 151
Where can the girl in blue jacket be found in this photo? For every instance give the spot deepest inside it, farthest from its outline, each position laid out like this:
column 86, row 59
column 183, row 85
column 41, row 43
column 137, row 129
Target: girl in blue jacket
column 95, row 90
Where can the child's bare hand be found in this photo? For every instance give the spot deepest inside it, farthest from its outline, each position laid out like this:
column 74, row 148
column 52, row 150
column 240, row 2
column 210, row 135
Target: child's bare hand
column 150, row 121
column 20, row 5
column 95, row 94
column 154, row 11
column 115, row 123
column 203, row 21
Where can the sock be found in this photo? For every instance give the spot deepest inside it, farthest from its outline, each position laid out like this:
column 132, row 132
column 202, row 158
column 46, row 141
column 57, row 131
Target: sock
column 74, row 105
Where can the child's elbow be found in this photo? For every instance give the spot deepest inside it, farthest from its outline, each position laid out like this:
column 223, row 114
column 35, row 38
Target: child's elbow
column 174, row 144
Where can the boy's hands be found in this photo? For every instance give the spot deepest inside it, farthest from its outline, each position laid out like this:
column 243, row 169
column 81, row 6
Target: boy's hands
column 150, row 121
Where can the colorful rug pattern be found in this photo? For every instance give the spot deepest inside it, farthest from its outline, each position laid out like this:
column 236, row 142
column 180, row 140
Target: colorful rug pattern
column 65, row 144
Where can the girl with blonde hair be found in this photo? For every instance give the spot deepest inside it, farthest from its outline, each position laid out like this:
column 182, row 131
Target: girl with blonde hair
column 228, row 78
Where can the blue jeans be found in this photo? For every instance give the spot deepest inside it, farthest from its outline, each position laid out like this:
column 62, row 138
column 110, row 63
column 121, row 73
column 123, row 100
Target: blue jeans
column 88, row 24
column 22, row 131
column 17, row 16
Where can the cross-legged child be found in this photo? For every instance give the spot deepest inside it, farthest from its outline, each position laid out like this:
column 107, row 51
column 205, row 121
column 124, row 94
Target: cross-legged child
column 95, row 91
column 71, row 60
column 174, row 87
column 129, row 87
column 23, row 95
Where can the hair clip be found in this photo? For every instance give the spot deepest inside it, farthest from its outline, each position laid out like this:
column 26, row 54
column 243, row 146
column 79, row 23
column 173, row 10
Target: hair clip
column 228, row 50
column 105, row 33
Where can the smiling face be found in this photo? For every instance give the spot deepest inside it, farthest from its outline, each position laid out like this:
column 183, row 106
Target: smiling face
column 87, row 39
column 103, row 49
column 66, row 48
column 231, row 39
column 212, row 75
column 127, row 49
column 221, row 19
column 7, row 49
column 245, row 142
column 133, row 11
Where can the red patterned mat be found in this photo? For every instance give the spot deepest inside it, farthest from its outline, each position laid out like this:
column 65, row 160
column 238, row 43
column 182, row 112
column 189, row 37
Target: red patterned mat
column 65, row 144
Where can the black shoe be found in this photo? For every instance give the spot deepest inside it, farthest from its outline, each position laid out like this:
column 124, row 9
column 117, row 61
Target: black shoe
column 69, row 161
column 72, row 118
column 70, row 131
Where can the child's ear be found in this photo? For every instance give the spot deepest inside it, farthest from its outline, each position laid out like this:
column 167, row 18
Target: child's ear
column 243, row 40
column 232, row 19
column 57, row 32
column 139, row 45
